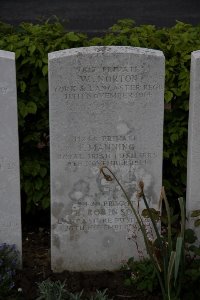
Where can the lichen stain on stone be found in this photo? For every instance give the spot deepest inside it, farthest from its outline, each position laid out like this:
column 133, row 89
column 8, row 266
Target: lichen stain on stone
column 108, row 241
column 59, row 263
column 80, row 190
column 59, row 186
column 53, row 227
column 56, row 241
column 123, row 128
column 57, row 209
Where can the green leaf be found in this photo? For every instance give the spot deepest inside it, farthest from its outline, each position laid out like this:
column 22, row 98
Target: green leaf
column 45, row 70
column 182, row 209
column 18, row 53
column 72, row 37
column 190, row 236
column 45, row 202
column 31, row 168
column 43, row 172
column 38, row 63
column 174, row 137
column 38, row 183
column 175, row 161
column 179, row 245
column 22, row 109
column 45, row 60
column 43, row 85
column 31, row 107
column 174, row 219
column 155, row 213
column 168, row 96
column 170, row 268
column 197, row 223
column 22, row 86
column 28, row 186
column 195, row 213
column 32, row 49
column 127, row 282
column 25, row 61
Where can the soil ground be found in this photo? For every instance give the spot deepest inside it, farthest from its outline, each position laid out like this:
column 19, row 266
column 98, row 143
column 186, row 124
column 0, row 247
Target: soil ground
column 36, row 268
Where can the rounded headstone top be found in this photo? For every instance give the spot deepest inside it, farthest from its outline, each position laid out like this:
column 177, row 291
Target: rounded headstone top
column 105, row 50
column 7, row 54
column 196, row 54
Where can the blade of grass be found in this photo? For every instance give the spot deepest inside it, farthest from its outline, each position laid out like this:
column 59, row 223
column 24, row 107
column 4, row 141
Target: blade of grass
column 169, row 272
column 179, row 244
column 169, row 230
column 182, row 208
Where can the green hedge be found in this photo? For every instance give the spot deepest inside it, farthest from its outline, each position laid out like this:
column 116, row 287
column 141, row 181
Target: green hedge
column 32, row 43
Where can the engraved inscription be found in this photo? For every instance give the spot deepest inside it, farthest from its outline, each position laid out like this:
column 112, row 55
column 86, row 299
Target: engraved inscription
column 3, row 90
column 7, row 164
column 109, row 150
column 110, row 85
column 107, row 209
column 8, row 224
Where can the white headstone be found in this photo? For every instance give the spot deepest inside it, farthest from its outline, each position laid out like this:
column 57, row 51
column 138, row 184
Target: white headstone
column 106, row 107
column 10, row 207
column 193, row 160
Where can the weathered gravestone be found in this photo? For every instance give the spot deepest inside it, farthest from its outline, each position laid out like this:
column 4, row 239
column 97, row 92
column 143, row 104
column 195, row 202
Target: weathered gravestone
column 193, row 160
column 10, row 207
column 106, row 107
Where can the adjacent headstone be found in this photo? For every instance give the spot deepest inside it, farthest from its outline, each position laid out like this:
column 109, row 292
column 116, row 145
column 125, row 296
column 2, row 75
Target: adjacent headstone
column 106, row 107
column 10, row 207
column 193, row 160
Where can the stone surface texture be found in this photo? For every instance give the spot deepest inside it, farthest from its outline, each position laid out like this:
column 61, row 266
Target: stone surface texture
column 10, row 207
column 193, row 160
column 106, row 107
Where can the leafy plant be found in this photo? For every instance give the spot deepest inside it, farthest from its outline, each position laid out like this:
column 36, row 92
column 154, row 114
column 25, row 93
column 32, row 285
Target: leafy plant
column 142, row 276
column 191, row 280
column 31, row 44
column 50, row 290
column 167, row 257
column 9, row 261
column 100, row 295
column 192, row 261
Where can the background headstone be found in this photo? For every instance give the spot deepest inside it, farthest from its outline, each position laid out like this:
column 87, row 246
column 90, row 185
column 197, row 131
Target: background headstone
column 106, row 107
column 10, row 207
column 193, row 160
